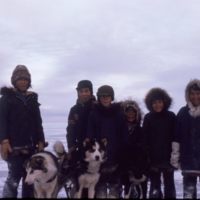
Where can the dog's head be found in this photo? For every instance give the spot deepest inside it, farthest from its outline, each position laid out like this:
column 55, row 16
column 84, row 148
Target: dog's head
column 39, row 168
column 94, row 151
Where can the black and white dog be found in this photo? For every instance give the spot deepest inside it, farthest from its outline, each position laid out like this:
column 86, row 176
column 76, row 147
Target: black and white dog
column 88, row 170
column 42, row 172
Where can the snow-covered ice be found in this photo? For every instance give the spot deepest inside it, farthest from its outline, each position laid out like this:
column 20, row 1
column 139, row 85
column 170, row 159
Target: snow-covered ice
column 3, row 174
column 52, row 138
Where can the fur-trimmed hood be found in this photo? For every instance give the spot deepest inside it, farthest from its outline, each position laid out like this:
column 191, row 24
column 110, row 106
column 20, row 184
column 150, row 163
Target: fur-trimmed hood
column 190, row 84
column 11, row 91
column 194, row 111
column 157, row 94
column 7, row 91
column 131, row 103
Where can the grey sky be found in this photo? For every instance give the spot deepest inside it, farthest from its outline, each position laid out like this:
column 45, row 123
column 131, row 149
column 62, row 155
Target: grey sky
column 133, row 45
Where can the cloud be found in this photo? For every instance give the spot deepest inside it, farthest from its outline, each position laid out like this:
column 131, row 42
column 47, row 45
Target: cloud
column 131, row 45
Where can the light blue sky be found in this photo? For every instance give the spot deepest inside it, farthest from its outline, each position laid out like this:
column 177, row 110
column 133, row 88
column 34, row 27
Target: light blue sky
column 133, row 45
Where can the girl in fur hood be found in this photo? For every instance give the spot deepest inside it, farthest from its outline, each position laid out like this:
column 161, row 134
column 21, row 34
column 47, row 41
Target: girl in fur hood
column 133, row 162
column 159, row 127
column 186, row 146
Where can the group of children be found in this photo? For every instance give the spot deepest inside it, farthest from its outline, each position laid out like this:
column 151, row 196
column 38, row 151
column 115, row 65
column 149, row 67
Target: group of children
column 138, row 148
column 142, row 148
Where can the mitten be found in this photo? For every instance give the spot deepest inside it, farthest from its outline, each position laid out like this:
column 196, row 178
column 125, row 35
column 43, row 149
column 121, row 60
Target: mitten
column 5, row 149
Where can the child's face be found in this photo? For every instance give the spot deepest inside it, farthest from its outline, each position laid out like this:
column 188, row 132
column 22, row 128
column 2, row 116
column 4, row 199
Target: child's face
column 194, row 97
column 130, row 115
column 22, row 85
column 105, row 100
column 84, row 95
column 158, row 105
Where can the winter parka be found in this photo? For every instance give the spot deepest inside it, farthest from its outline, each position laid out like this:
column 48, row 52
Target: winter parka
column 78, row 122
column 159, row 129
column 107, row 123
column 134, row 156
column 187, row 135
column 20, row 118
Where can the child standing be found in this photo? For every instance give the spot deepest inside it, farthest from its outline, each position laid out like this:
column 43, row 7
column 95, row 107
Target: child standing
column 21, row 130
column 106, row 124
column 133, row 162
column 186, row 146
column 77, row 125
column 78, row 115
column 159, row 127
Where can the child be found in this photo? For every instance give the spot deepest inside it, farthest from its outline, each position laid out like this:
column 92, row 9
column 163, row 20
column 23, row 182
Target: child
column 186, row 146
column 77, row 124
column 133, row 160
column 105, row 123
column 158, row 127
column 78, row 115
column 21, row 130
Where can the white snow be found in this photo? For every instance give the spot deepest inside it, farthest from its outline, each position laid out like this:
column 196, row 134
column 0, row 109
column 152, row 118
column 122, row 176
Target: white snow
column 62, row 194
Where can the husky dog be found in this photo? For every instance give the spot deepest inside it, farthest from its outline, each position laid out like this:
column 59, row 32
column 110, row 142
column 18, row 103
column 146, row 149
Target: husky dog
column 88, row 170
column 42, row 172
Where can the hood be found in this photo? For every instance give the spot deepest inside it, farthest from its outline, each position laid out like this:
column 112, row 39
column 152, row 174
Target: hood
column 130, row 103
column 194, row 111
column 190, row 84
column 7, row 91
column 155, row 94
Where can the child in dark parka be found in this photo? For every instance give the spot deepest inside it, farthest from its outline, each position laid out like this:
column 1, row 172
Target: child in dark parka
column 159, row 128
column 186, row 146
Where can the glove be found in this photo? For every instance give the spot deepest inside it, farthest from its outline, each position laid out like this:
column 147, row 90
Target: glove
column 174, row 160
column 5, row 149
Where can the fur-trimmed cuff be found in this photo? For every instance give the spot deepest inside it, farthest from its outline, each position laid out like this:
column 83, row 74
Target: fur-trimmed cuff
column 175, row 155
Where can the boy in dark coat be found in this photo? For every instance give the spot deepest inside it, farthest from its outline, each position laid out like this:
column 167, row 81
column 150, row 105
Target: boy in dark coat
column 21, row 131
column 186, row 146
column 78, row 115
column 77, row 125
column 159, row 127
column 106, row 124
column 134, row 160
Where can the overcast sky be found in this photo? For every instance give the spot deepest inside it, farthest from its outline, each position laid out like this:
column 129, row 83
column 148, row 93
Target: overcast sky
column 132, row 45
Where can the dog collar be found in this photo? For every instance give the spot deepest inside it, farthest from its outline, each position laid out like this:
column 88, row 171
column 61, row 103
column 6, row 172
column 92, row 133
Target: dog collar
column 51, row 179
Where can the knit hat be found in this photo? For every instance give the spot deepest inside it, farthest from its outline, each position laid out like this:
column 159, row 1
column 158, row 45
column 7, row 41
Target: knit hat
column 20, row 72
column 85, row 84
column 105, row 90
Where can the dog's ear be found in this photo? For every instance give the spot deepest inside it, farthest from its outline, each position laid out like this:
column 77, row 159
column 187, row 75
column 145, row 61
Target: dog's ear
column 104, row 142
column 86, row 142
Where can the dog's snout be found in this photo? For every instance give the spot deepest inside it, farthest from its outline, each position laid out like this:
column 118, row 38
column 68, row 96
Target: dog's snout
column 97, row 158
